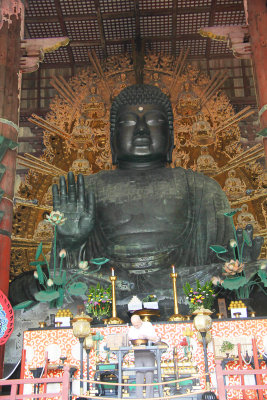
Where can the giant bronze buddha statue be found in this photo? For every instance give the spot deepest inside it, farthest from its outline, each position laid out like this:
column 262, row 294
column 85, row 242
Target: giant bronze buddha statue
column 143, row 216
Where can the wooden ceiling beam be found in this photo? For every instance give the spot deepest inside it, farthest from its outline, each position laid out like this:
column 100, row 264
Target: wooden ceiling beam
column 64, row 31
column 211, row 22
column 66, row 18
column 228, row 7
column 127, row 14
column 26, row 112
column 174, row 25
column 250, row 100
column 82, row 43
column 138, row 47
column 101, row 27
column 137, row 18
column 189, row 36
column 85, row 63
column 180, row 10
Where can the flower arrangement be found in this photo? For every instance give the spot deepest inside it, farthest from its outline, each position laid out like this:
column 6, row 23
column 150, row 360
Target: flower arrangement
column 99, row 301
column 201, row 296
column 236, row 279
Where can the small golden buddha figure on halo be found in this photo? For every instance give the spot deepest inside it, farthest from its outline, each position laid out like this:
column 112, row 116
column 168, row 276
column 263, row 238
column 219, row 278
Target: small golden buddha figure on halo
column 188, row 103
column 81, row 131
column 81, row 165
column 205, row 162
column 202, row 132
column 245, row 218
column 180, row 159
column 234, row 187
column 155, row 78
column 44, row 230
column 93, row 105
column 156, row 81
column 122, row 84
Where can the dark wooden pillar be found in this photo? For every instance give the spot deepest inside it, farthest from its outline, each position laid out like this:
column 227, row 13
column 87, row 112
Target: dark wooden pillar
column 257, row 22
column 11, row 32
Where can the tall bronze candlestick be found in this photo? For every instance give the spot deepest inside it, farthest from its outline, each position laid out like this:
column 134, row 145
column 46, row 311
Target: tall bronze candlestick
column 176, row 316
column 114, row 320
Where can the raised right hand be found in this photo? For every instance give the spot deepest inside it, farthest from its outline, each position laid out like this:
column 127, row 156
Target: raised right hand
column 78, row 208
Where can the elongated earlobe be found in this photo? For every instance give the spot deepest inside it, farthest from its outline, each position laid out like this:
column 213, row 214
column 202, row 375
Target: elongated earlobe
column 114, row 159
column 169, row 156
column 113, row 154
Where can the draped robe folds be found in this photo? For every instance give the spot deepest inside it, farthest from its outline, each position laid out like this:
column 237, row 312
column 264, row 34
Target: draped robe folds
column 148, row 220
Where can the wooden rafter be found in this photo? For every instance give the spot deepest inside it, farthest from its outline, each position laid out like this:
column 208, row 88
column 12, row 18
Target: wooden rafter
column 137, row 18
column 138, row 46
column 64, row 30
column 101, row 27
column 174, row 26
column 132, row 13
column 211, row 22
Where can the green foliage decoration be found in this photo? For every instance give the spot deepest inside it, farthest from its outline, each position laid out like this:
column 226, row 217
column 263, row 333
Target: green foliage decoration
column 226, row 346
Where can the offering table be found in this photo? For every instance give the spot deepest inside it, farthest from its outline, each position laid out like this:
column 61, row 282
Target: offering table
column 61, row 341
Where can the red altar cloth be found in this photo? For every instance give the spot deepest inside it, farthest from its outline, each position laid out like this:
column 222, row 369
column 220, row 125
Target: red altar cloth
column 61, row 342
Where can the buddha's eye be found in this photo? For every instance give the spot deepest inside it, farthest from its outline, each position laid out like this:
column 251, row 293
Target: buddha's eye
column 127, row 123
column 155, row 121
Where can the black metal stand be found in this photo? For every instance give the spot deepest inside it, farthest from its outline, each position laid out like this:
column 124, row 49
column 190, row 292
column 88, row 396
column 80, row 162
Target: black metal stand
column 88, row 365
column 81, row 340
column 209, row 395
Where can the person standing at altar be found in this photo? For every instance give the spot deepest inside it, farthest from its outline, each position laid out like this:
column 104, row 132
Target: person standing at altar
column 143, row 358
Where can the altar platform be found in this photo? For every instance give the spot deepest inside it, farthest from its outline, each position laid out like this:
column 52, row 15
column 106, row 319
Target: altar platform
column 60, row 343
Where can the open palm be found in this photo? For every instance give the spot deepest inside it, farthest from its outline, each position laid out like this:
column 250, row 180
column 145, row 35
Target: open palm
column 78, row 208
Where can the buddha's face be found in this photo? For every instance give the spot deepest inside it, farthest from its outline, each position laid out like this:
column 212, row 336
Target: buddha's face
column 141, row 133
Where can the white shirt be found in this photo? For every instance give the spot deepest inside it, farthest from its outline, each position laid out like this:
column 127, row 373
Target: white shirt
column 146, row 330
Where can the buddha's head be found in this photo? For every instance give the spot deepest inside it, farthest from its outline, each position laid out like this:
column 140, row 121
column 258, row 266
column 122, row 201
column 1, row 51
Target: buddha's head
column 141, row 126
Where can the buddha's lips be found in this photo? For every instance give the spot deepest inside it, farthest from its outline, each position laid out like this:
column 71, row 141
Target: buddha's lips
column 141, row 141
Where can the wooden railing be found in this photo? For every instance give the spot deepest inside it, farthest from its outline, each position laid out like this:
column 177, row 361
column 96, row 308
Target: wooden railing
column 257, row 372
column 16, row 392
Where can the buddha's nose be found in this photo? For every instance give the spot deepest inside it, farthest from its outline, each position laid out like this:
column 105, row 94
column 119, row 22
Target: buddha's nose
column 141, row 127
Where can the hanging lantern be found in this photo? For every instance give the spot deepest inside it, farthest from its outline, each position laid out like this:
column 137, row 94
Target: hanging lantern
column 202, row 321
column 88, row 342
column 81, row 325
